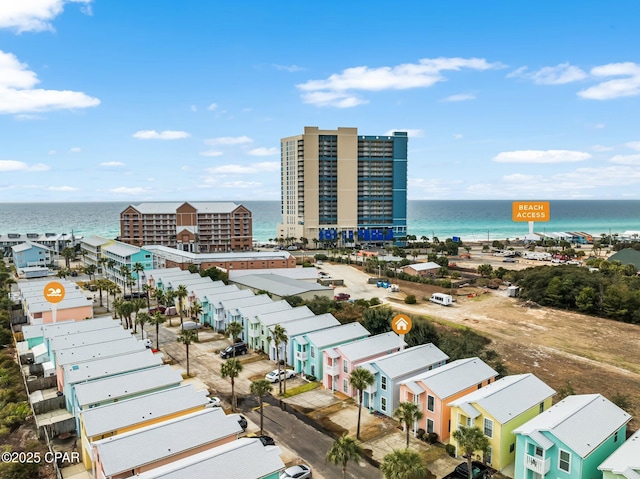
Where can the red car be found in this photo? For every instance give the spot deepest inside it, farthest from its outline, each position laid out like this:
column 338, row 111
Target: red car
column 341, row 297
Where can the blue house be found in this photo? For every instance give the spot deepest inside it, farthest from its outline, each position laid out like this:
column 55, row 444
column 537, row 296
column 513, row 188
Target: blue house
column 570, row 439
column 384, row 395
column 309, row 347
column 29, row 255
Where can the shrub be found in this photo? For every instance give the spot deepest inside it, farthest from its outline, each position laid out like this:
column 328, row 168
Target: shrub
column 420, row 434
column 410, row 299
column 451, row 450
column 374, row 301
column 432, row 437
column 321, row 257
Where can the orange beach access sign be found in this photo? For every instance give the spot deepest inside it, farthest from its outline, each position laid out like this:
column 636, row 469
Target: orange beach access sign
column 54, row 292
column 530, row 211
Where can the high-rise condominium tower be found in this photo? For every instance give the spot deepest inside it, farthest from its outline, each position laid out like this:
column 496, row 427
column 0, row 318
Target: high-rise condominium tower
column 340, row 188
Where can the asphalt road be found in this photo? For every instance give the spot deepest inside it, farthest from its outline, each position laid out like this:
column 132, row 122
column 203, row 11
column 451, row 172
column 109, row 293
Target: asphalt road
column 308, row 443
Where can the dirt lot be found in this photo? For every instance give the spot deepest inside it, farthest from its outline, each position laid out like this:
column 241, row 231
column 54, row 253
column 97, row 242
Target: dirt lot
column 596, row 355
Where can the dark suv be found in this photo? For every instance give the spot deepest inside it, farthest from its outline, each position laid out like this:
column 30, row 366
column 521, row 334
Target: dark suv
column 240, row 348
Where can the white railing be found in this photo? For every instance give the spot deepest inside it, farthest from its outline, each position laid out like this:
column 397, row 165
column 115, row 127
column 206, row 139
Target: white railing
column 301, row 355
column 332, row 370
column 537, row 464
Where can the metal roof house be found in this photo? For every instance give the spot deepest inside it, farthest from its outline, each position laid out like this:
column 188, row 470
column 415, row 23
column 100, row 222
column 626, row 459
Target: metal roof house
column 146, row 448
column 390, row 370
column 35, row 334
column 280, row 286
column 267, row 320
column 299, row 327
column 498, row 409
column 309, row 347
column 433, row 390
column 249, row 318
column 624, row 463
column 572, row 438
column 341, row 360
column 245, row 458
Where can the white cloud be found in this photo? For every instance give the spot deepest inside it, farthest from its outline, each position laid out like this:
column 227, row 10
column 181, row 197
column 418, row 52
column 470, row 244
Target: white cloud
column 457, row 136
column 34, row 15
column 626, row 159
column 228, row 140
column 337, row 89
column 162, row 135
column 602, row 148
column 13, row 165
column 111, row 164
column 212, row 107
column 634, row 145
column 75, row 149
column 288, row 68
column 557, row 75
column 541, row 156
column 124, row 190
column 411, row 132
column 241, row 184
column 234, row 169
column 18, row 95
column 194, row 108
column 62, row 188
column 621, row 87
column 518, row 178
column 599, row 126
column 211, row 153
column 264, row 151
column 52, row 152
column 27, row 117
column 459, row 97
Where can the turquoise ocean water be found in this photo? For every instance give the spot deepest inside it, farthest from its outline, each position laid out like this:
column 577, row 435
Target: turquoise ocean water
column 470, row 220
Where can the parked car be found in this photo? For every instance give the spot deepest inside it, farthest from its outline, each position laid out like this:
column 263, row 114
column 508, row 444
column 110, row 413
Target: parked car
column 191, row 325
column 240, row 348
column 301, row 471
column 273, row 376
column 214, row 401
column 342, row 296
column 479, row 470
column 160, row 309
column 147, row 342
column 241, row 420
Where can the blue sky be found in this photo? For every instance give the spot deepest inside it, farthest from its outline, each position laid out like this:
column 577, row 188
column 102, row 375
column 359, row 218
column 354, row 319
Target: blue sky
column 187, row 100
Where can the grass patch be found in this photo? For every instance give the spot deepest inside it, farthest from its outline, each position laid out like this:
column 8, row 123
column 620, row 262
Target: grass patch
column 301, row 389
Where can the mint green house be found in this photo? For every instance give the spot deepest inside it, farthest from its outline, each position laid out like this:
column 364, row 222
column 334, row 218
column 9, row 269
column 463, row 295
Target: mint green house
column 570, row 439
column 625, row 462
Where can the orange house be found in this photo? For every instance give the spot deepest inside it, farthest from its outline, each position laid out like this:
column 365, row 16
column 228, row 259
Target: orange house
column 433, row 390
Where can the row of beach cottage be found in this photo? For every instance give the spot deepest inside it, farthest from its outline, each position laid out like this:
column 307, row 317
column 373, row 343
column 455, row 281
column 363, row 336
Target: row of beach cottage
column 116, row 404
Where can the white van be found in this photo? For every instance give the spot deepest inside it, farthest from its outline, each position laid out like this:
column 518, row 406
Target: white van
column 442, row 299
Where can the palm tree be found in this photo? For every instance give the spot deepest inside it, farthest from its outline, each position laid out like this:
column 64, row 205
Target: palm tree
column 142, row 319
column 231, row 369
column 260, row 389
column 276, row 335
column 284, row 339
column 196, row 311
column 147, row 291
column 138, row 268
column 157, row 319
column 234, row 329
column 114, row 290
column 408, row 413
column 158, row 294
column 90, row 270
column 186, row 338
column 343, row 450
column 102, row 284
column 181, row 293
column 138, row 304
column 68, row 254
column 403, row 464
column 170, row 301
column 470, row 439
column 125, row 272
column 126, row 309
column 361, row 379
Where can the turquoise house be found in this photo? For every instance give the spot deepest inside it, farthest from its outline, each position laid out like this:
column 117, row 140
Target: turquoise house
column 308, row 348
column 625, row 462
column 571, row 439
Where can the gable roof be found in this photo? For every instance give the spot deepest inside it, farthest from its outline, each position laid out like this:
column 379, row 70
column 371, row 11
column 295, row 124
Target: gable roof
column 364, row 348
column 269, row 319
column 340, row 334
column 506, row 398
column 48, row 330
column 447, row 380
column 105, row 349
column 170, row 208
column 87, row 337
column 582, row 422
column 111, row 417
column 627, row 256
column 423, row 266
column 27, row 245
column 244, row 458
column 408, row 361
column 626, row 459
column 99, row 368
column 129, row 384
column 250, row 312
column 279, row 285
column 309, row 324
column 152, row 443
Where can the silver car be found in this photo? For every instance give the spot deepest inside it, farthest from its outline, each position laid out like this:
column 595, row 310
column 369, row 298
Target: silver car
column 301, row 471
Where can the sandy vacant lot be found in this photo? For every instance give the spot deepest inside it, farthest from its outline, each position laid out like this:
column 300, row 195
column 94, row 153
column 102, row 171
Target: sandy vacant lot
column 596, row 355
